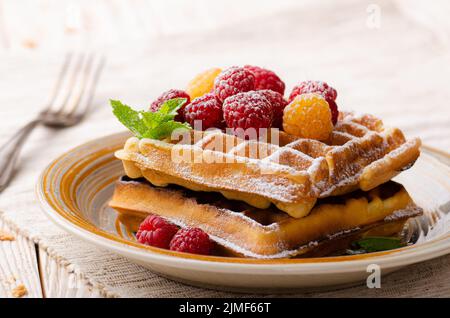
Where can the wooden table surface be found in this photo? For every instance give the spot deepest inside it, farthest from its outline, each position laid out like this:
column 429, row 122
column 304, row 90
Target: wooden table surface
column 35, row 27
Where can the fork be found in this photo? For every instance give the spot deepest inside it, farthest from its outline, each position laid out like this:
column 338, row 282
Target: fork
column 68, row 105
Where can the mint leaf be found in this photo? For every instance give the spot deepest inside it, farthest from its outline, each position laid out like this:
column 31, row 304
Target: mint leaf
column 167, row 128
column 172, row 106
column 154, row 125
column 152, row 120
column 129, row 118
column 159, row 129
column 378, row 243
column 166, row 112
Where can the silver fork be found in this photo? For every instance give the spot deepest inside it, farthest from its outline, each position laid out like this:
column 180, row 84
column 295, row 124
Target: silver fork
column 68, row 105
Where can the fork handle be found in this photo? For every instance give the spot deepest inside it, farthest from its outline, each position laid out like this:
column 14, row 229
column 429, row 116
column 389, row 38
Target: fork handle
column 9, row 153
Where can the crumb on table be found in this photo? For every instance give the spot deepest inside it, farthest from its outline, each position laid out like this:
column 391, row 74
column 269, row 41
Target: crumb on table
column 4, row 236
column 19, row 291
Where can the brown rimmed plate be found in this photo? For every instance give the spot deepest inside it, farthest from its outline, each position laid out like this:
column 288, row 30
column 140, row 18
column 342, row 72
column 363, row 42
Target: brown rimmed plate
column 75, row 189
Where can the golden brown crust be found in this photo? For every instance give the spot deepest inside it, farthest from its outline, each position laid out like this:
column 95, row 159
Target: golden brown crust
column 266, row 233
column 291, row 174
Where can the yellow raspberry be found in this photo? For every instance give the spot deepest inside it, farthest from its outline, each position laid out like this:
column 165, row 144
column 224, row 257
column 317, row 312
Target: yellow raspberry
column 308, row 116
column 203, row 83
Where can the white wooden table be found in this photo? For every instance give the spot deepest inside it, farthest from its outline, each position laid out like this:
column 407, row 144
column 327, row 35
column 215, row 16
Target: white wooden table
column 26, row 270
column 37, row 27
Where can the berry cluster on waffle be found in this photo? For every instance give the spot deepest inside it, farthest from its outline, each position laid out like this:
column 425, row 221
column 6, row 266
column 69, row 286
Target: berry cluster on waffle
column 306, row 180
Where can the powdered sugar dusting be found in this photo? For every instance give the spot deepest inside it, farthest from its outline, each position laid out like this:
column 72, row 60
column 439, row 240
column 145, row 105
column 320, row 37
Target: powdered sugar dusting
column 409, row 211
column 343, row 233
column 283, row 174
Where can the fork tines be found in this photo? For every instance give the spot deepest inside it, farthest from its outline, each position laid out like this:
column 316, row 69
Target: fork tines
column 75, row 86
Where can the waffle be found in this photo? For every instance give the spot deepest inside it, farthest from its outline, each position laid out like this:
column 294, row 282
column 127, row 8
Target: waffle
column 244, row 230
column 290, row 172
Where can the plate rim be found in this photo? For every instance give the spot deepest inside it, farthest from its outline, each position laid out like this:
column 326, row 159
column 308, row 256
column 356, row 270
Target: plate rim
column 386, row 259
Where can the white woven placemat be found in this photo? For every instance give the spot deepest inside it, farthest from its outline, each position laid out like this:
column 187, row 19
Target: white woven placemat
column 399, row 72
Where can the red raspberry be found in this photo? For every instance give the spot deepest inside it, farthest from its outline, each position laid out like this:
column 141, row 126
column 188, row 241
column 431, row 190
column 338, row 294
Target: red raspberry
column 322, row 88
column 170, row 94
column 193, row 241
column 205, row 108
column 266, row 79
column 155, row 231
column 232, row 81
column 334, row 111
column 278, row 104
column 247, row 110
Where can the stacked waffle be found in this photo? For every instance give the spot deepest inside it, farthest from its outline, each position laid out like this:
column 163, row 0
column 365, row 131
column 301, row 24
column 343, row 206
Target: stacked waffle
column 279, row 196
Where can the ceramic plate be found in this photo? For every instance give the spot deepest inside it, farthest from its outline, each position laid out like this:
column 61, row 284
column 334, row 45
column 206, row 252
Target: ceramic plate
column 75, row 189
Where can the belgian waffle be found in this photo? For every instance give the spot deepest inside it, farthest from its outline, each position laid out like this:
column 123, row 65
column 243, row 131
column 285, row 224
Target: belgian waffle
column 290, row 172
column 268, row 233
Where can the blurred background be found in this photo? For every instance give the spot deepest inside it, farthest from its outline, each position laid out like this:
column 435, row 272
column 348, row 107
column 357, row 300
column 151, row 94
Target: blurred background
column 389, row 58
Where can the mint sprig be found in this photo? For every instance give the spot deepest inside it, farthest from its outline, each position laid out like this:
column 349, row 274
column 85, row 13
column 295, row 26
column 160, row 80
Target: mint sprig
column 378, row 243
column 154, row 125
